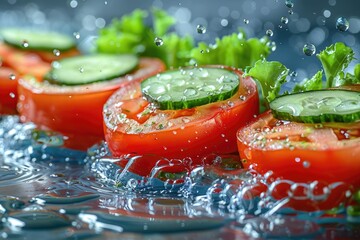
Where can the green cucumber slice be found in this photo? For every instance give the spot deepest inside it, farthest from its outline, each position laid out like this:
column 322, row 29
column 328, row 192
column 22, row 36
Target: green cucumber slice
column 90, row 68
column 333, row 105
column 37, row 40
column 191, row 87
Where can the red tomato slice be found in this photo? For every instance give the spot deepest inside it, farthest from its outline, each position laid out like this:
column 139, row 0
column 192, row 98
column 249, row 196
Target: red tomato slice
column 304, row 153
column 23, row 62
column 8, row 92
column 75, row 111
column 132, row 125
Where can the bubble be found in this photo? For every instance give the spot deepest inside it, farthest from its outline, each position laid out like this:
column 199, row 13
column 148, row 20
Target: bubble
column 269, row 33
column 284, row 20
column 342, row 24
column 81, row 69
column 309, row 49
column 200, row 29
column 158, row 41
column 25, row 44
column 56, row 52
column 289, row 3
column 291, row 12
column 246, row 21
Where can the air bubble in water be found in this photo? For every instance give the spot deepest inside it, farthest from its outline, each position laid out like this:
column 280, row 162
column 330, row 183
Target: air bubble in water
column 158, row 41
column 201, row 29
column 246, row 21
column 293, row 74
column 289, row 3
column 284, row 20
column 309, row 49
column 25, row 44
column 342, row 24
column 81, row 69
column 291, row 12
column 269, row 32
column 56, row 52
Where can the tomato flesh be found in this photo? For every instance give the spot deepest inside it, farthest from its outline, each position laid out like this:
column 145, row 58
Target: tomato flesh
column 132, row 125
column 303, row 153
column 8, row 93
column 75, row 111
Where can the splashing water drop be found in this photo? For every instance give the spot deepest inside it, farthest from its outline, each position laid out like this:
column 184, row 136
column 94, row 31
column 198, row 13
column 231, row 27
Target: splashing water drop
column 342, row 24
column 56, row 52
column 284, row 20
column 25, row 44
column 309, row 49
column 158, row 41
column 246, row 21
column 269, row 33
column 289, row 3
column 201, row 29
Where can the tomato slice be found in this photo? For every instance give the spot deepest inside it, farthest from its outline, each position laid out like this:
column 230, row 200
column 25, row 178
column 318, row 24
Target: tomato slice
column 8, row 93
column 133, row 125
column 304, row 153
column 23, row 62
column 75, row 111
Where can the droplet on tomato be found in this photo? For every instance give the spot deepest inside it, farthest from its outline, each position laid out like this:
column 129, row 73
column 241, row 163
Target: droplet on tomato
column 306, row 164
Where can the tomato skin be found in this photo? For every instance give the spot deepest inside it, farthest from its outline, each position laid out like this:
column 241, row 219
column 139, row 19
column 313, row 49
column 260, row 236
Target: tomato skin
column 8, row 93
column 75, row 111
column 325, row 162
column 210, row 128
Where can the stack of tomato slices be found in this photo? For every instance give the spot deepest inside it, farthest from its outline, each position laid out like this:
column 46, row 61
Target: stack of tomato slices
column 321, row 160
column 17, row 61
column 135, row 125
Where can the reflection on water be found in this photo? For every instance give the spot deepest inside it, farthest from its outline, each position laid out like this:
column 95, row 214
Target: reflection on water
column 96, row 195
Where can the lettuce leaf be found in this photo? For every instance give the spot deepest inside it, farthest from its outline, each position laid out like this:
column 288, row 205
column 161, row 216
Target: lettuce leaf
column 130, row 34
column 270, row 76
column 334, row 60
column 232, row 50
column 314, row 83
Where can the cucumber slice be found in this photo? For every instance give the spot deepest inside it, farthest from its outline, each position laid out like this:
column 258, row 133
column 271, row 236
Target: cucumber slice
column 90, row 68
column 188, row 88
column 318, row 106
column 37, row 40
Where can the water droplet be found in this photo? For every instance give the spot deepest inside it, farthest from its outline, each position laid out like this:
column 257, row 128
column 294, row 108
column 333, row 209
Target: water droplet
column 284, row 20
column 158, row 41
column 293, row 74
column 76, row 35
column 306, row 164
column 25, row 44
column 291, row 12
column 309, row 49
column 190, row 92
column 269, row 32
column 342, row 24
column 73, row 3
column 246, row 21
column 56, row 52
column 81, row 69
column 12, row 95
column 12, row 76
column 289, row 3
column 201, row 29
